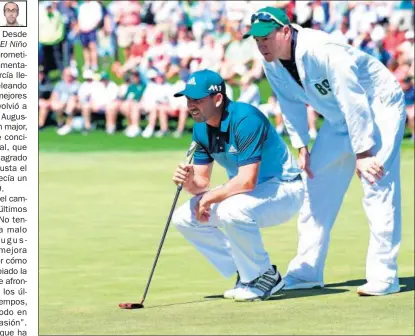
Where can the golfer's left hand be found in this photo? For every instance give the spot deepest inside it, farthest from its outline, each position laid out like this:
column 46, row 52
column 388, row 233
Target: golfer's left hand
column 202, row 210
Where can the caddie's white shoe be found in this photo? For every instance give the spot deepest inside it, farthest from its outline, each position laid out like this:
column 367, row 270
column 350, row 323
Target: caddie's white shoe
column 295, row 283
column 262, row 287
column 230, row 293
column 377, row 288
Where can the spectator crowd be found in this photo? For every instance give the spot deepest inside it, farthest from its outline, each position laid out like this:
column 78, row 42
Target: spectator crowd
column 121, row 62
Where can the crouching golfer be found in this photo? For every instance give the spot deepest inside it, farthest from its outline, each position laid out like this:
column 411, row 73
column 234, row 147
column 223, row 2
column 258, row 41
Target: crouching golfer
column 264, row 187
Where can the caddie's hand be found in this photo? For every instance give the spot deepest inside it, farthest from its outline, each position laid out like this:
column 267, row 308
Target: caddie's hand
column 202, row 209
column 184, row 174
column 369, row 168
column 304, row 161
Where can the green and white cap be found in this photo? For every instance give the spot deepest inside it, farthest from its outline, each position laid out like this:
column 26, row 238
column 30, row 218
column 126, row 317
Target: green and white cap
column 265, row 20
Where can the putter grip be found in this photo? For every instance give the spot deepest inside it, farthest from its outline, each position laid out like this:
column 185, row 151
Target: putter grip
column 191, row 152
column 189, row 157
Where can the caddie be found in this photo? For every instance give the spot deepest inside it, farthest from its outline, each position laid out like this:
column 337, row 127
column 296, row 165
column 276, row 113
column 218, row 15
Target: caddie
column 264, row 187
column 364, row 118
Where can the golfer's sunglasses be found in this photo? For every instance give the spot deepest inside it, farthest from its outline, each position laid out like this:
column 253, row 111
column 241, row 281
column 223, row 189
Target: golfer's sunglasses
column 265, row 17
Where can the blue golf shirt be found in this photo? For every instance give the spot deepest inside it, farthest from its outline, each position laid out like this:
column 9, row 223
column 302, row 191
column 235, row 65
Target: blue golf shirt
column 244, row 136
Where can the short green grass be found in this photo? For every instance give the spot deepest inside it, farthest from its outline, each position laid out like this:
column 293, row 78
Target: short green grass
column 102, row 214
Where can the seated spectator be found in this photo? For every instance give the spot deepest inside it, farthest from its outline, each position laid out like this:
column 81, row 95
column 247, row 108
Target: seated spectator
column 158, row 52
column 399, row 68
column 255, row 71
column 102, row 100
column 406, row 48
column 393, row 38
column 249, row 92
column 130, row 107
column 211, row 53
column 45, row 91
column 342, row 34
column 382, row 54
column 89, row 18
column 188, row 50
column 155, row 103
column 365, row 43
column 409, row 92
column 178, row 106
column 238, row 54
column 173, row 68
column 64, row 99
column 87, row 87
column 222, row 35
column 137, row 53
column 147, row 68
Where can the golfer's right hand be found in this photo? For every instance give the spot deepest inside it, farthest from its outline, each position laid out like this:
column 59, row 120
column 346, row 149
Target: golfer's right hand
column 184, row 175
column 304, row 161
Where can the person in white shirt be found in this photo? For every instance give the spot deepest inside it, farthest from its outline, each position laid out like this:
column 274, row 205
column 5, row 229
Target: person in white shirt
column 187, row 48
column 178, row 106
column 211, row 53
column 155, row 103
column 237, row 56
column 158, row 52
column 364, row 120
column 64, row 99
column 86, row 87
column 103, row 99
column 342, row 34
column 89, row 17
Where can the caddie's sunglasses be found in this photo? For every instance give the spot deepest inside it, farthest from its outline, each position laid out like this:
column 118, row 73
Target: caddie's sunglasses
column 265, row 17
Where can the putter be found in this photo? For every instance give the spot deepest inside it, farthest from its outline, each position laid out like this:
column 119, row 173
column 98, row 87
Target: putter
column 136, row 305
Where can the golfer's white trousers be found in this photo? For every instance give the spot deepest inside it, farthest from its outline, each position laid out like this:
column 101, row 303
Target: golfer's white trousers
column 333, row 164
column 231, row 240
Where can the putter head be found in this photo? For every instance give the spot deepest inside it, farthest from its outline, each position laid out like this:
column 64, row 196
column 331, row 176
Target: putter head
column 130, row 305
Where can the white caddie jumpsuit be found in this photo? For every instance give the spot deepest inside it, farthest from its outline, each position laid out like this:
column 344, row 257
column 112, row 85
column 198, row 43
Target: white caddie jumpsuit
column 363, row 108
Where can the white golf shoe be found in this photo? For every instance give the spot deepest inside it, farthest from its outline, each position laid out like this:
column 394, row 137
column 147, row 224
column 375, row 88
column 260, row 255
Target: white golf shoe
column 295, row 283
column 262, row 287
column 378, row 288
column 230, row 293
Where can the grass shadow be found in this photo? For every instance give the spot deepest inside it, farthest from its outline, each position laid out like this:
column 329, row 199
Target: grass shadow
column 214, row 297
column 294, row 294
column 407, row 283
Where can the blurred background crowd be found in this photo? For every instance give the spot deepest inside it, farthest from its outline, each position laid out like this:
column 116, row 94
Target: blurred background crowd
column 116, row 64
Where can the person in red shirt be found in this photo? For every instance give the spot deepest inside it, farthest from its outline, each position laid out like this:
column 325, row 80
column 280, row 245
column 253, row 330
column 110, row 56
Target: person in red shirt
column 136, row 54
column 393, row 38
